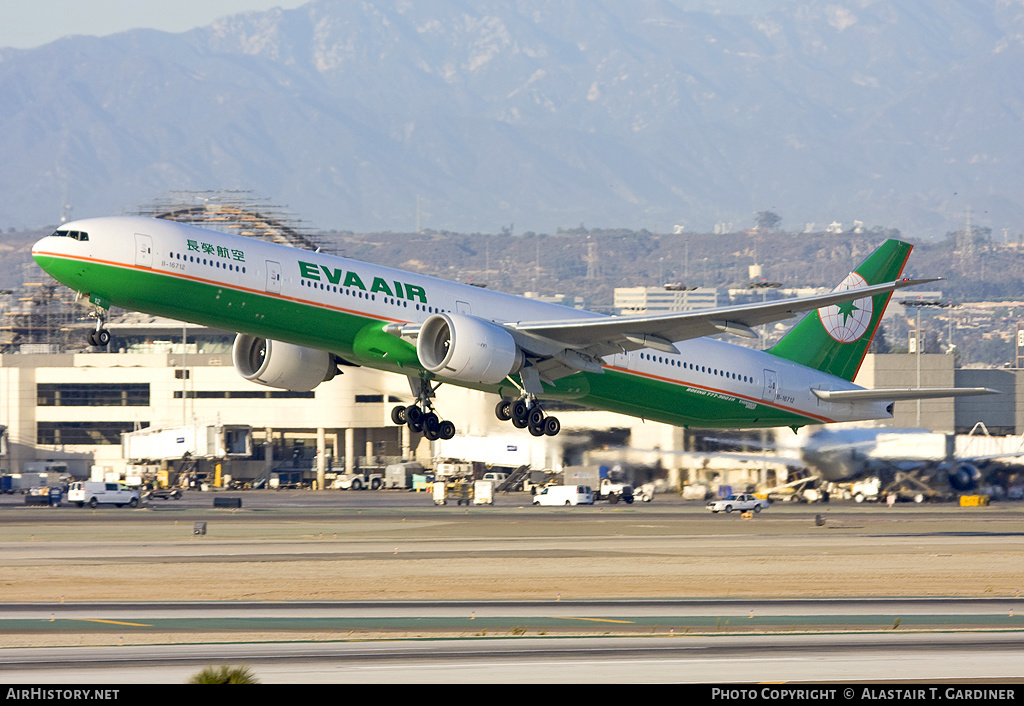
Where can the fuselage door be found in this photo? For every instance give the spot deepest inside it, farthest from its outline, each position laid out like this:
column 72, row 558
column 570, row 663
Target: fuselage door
column 273, row 277
column 771, row 385
column 463, row 308
column 143, row 250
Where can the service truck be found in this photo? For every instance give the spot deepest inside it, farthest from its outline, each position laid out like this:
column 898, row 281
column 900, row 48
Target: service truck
column 602, row 482
column 22, row 482
column 400, row 475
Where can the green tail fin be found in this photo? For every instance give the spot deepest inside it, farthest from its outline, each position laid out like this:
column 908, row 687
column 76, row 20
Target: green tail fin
column 834, row 339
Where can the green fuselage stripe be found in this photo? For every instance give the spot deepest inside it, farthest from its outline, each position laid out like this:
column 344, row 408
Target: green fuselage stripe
column 315, row 324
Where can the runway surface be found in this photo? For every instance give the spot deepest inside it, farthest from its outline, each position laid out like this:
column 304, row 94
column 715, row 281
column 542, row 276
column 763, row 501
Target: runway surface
column 740, row 659
column 710, row 641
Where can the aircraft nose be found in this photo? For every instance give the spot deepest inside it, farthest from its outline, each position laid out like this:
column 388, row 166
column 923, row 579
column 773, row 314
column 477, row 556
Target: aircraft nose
column 46, row 252
column 41, row 250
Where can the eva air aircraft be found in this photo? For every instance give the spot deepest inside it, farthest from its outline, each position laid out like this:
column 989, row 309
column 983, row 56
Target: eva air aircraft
column 300, row 315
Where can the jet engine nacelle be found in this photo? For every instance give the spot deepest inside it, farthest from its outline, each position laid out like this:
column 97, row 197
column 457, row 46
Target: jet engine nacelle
column 467, row 349
column 964, row 476
column 281, row 365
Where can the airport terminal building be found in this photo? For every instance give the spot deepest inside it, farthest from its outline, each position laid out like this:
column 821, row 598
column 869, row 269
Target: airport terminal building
column 73, row 407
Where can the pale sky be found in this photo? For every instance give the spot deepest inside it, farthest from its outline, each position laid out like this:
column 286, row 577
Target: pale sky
column 31, row 23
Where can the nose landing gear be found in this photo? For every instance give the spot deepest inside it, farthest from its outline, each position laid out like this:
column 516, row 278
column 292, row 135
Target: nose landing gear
column 101, row 336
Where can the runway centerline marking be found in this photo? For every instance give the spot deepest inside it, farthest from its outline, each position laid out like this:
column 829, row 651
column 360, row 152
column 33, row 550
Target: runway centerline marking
column 111, row 622
column 594, row 620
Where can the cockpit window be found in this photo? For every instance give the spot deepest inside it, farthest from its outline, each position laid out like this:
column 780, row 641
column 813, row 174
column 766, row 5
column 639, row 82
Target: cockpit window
column 73, row 234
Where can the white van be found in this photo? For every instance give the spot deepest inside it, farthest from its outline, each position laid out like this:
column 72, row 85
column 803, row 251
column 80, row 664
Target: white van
column 565, row 495
column 92, row 493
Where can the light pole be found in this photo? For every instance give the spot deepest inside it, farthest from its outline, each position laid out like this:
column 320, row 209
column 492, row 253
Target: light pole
column 918, row 343
column 764, row 285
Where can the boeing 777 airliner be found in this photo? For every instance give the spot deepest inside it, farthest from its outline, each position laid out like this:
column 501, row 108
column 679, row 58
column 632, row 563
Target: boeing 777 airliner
column 300, row 314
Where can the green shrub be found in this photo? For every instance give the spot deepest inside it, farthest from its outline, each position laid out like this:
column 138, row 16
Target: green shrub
column 225, row 675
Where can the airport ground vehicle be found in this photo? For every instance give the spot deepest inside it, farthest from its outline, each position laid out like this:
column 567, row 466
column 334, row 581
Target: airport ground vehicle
column 359, row 481
column 23, row 482
column 565, row 495
column 644, row 493
column 604, row 484
column 93, row 493
column 400, row 475
column 461, row 491
column 742, row 502
column 43, row 496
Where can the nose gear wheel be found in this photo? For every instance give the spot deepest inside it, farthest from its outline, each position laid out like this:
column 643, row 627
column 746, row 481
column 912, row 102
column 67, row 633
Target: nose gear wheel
column 100, row 336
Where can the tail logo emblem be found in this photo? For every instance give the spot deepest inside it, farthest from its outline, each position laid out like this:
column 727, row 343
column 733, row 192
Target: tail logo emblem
column 848, row 321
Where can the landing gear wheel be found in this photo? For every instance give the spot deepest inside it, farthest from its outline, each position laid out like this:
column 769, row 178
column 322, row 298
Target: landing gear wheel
column 398, row 415
column 536, row 430
column 446, row 430
column 520, row 414
column 430, row 421
column 552, row 426
column 519, row 409
column 503, row 411
column 430, row 426
column 414, row 418
column 103, row 337
column 536, row 418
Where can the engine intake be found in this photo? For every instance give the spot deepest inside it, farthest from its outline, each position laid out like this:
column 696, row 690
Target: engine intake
column 467, row 349
column 964, row 477
column 281, row 365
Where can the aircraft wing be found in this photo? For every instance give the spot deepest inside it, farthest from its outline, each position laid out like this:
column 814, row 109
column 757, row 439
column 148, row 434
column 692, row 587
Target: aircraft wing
column 614, row 334
column 895, row 394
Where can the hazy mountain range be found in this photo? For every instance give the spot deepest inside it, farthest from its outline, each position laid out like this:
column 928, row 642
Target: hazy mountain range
column 470, row 115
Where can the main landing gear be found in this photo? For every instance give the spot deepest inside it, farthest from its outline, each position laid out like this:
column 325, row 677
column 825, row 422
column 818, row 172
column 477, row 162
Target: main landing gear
column 420, row 416
column 420, row 419
column 525, row 413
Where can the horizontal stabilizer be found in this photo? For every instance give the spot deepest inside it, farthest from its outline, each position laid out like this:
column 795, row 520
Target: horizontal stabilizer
column 896, row 394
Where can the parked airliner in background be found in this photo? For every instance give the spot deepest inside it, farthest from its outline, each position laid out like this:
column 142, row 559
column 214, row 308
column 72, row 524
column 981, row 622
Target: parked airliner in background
column 842, row 454
column 300, row 314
